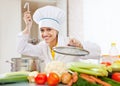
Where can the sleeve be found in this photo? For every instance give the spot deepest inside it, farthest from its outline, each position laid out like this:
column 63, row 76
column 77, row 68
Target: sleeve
column 25, row 48
column 93, row 48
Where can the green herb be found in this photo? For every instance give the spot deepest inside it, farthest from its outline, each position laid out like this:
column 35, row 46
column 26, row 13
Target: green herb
column 110, row 81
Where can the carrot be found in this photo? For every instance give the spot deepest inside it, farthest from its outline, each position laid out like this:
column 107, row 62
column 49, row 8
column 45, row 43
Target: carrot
column 86, row 75
column 87, row 78
column 100, row 81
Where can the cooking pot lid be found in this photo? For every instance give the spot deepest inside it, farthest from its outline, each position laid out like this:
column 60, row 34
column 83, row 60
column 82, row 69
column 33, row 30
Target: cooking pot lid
column 69, row 50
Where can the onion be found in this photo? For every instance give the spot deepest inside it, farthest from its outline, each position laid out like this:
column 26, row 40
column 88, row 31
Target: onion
column 115, row 67
column 66, row 77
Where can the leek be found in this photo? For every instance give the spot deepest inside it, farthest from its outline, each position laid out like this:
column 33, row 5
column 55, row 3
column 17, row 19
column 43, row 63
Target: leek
column 11, row 77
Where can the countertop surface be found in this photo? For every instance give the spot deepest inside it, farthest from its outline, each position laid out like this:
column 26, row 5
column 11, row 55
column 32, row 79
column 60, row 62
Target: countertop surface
column 19, row 84
column 25, row 84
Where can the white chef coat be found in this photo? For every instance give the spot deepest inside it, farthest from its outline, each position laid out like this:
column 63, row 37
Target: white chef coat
column 42, row 50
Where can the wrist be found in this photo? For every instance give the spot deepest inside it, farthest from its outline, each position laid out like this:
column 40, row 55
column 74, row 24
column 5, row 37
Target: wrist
column 26, row 30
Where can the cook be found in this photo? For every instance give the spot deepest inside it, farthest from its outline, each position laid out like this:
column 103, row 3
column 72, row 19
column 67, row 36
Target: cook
column 50, row 20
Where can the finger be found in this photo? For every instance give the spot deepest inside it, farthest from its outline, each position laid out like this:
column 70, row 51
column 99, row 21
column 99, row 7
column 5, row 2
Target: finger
column 27, row 12
column 71, row 41
column 75, row 43
column 29, row 19
column 27, row 15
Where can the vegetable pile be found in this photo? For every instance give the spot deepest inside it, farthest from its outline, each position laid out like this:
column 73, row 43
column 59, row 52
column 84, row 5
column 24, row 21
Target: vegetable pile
column 72, row 74
column 79, row 73
column 93, row 74
column 89, row 68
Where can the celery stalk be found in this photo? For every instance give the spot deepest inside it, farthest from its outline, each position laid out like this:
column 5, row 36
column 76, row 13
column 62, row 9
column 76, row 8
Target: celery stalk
column 91, row 72
column 89, row 68
column 86, row 65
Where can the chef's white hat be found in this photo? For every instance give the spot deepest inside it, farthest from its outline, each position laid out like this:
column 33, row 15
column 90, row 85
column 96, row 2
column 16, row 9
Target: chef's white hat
column 49, row 16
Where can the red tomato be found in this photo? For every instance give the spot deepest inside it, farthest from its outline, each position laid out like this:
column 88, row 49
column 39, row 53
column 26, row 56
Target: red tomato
column 116, row 76
column 41, row 78
column 106, row 63
column 53, row 79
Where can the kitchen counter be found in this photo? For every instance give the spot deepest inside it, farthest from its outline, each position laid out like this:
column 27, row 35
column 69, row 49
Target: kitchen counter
column 19, row 84
column 26, row 84
column 23, row 84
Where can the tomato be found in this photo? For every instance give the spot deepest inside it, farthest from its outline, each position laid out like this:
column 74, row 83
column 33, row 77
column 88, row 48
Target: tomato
column 41, row 78
column 106, row 63
column 116, row 76
column 53, row 79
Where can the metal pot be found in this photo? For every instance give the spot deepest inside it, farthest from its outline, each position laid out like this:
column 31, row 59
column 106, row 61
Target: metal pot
column 26, row 64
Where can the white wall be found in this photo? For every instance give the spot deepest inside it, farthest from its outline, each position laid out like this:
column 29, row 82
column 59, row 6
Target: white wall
column 10, row 26
column 63, row 5
column 76, row 19
column 102, row 22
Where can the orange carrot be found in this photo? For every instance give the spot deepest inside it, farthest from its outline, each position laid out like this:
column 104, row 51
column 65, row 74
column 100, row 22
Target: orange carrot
column 87, row 78
column 86, row 75
column 100, row 81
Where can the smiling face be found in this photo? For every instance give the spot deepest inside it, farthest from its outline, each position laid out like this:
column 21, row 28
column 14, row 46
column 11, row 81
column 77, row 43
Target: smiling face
column 49, row 35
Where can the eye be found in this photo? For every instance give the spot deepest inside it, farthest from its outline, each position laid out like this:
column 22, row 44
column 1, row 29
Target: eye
column 48, row 29
column 42, row 30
